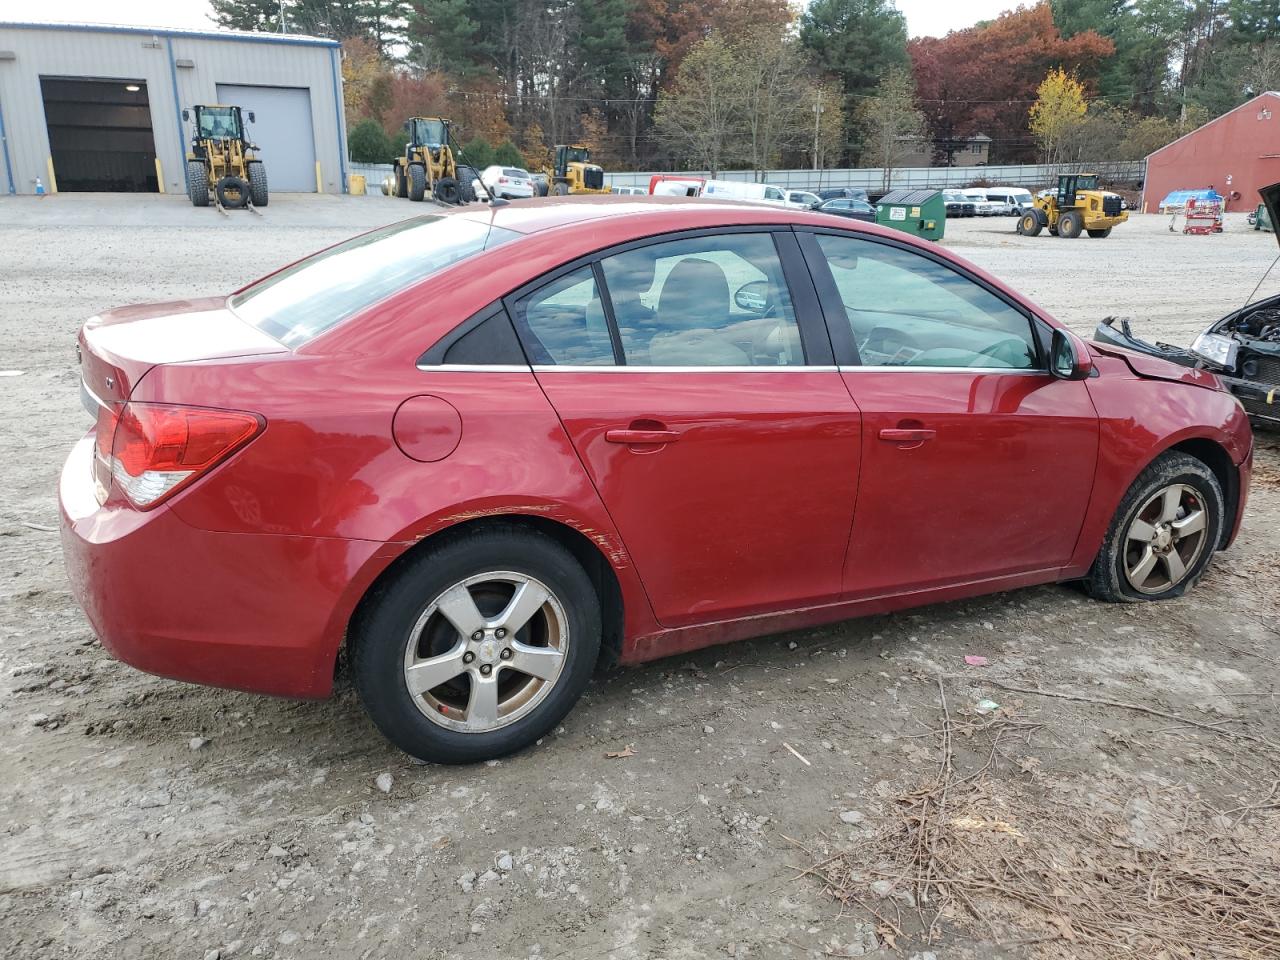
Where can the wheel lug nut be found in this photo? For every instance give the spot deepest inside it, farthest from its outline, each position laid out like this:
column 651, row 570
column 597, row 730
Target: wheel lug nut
column 507, row 654
column 500, row 633
column 468, row 657
column 485, row 669
column 478, row 636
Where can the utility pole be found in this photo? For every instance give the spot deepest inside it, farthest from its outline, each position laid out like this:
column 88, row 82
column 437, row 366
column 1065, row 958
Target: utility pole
column 284, row 27
column 817, row 121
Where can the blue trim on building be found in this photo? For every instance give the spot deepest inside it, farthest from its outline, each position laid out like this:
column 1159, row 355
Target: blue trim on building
column 337, row 115
column 4, row 141
column 177, row 107
column 169, row 32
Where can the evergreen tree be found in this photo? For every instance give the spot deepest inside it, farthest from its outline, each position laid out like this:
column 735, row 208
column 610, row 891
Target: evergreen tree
column 507, row 155
column 369, row 143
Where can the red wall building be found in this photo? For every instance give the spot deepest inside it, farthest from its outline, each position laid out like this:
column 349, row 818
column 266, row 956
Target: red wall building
column 1236, row 154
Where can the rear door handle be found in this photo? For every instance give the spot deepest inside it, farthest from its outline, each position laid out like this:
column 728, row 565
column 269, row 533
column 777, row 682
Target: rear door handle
column 907, row 435
column 641, row 436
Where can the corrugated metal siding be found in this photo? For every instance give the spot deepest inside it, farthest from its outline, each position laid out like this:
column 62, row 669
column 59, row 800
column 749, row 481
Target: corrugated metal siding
column 119, row 55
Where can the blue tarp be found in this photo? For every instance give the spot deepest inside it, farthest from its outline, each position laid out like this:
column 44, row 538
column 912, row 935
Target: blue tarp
column 1178, row 199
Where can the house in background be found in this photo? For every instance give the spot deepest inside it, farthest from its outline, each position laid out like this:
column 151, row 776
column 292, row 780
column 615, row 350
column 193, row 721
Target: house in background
column 963, row 151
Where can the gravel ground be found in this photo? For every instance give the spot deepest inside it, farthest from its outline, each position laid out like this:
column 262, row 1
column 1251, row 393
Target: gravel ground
column 141, row 817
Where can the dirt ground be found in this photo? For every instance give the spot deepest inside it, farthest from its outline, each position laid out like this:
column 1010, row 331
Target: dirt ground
column 141, row 817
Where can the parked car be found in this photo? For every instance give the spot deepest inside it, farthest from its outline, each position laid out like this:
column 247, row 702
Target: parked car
column 847, row 193
column 742, row 190
column 802, row 199
column 958, row 205
column 853, row 209
column 1003, row 202
column 1242, row 349
column 510, row 183
column 417, row 445
column 982, row 207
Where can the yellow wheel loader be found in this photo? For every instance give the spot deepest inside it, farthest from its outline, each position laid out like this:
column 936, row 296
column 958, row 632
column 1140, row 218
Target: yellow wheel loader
column 222, row 163
column 429, row 166
column 1077, row 207
column 573, row 172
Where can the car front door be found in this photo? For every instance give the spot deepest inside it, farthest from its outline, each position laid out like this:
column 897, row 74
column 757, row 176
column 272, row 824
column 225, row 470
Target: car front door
column 696, row 381
column 977, row 462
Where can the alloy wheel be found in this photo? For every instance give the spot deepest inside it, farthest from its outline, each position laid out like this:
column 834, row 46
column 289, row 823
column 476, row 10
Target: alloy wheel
column 1165, row 539
column 486, row 651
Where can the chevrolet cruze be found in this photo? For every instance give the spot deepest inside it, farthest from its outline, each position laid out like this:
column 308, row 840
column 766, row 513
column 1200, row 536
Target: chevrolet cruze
column 485, row 450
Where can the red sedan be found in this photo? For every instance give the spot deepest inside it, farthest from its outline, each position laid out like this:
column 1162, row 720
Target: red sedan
column 489, row 448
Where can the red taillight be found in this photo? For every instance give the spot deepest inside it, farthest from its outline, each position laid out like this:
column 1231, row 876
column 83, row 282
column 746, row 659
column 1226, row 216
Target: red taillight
column 503, row 180
column 155, row 449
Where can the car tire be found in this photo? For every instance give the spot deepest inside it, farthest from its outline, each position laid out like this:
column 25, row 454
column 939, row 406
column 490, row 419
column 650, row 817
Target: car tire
column 417, row 183
column 1070, row 225
column 1100, row 234
column 1137, row 533
column 402, row 627
column 198, row 183
column 447, row 191
column 258, row 184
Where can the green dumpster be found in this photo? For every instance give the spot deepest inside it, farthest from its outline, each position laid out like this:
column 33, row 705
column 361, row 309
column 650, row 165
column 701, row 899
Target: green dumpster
column 922, row 213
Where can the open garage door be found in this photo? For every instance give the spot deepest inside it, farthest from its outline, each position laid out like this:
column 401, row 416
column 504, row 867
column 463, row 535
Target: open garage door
column 100, row 134
column 282, row 130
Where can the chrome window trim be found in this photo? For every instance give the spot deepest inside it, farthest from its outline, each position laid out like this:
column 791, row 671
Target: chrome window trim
column 793, row 368
column 474, row 367
column 925, row 368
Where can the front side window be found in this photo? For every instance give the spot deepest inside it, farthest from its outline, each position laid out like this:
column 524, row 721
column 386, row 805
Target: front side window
column 905, row 309
column 563, row 323
column 772, row 193
column 306, row 299
column 704, row 301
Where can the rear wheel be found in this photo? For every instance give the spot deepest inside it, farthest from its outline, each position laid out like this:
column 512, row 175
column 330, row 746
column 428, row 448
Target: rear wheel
column 1163, row 536
column 258, row 183
column 233, row 192
column 1070, row 225
column 1029, row 225
column 467, row 176
column 447, row 191
column 402, row 184
column 1100, row 234
column 198, row 183
column 477, row 647
column 561, row 189
column 417, row 182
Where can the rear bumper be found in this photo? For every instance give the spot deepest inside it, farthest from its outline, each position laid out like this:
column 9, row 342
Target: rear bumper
column 251, row 612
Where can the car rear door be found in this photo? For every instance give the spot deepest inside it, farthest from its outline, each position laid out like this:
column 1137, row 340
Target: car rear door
column 977, row 463
column 694, row 377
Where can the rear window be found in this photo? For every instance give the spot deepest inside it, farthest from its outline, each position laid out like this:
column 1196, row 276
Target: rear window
column 513, row 172
column 306, row 299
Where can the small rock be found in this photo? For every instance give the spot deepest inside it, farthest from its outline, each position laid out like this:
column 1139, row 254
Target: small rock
column 851, row 816
column 38, row 719
column 792, row 645
column 277, row 851
column 384, row 782
column 288, row 937
column 155, row 798
column 882, row 888
column 213, row 955
column 195, row 743
column 572, row 888
column 604, row 803
column 775, row 725
column 505, row 863
column 708, row 728
column 467, row 881
column 828, row 745
column 488, row 877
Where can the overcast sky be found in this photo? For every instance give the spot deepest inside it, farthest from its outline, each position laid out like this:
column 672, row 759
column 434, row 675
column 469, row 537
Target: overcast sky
column 924, row 17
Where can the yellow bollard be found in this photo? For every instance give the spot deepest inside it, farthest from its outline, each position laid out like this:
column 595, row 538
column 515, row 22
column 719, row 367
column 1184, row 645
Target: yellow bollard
column 159, row 175
column 319, row 179
column 53, row 181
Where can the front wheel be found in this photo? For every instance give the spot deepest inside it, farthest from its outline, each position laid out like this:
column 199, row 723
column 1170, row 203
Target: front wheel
column 1163, row 536
column 258, row 184
column 478, row 647
column 1099, row 234
column 198, row 183
column 417, row 182
column 1070, row 225
column 1029, row 225
column 561, row 189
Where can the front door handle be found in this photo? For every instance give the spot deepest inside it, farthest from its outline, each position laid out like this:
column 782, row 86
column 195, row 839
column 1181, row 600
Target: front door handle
column 907, row 434
column 641, row 436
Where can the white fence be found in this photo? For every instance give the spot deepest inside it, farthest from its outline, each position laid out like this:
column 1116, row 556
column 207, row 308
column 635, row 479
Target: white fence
column 870, row 178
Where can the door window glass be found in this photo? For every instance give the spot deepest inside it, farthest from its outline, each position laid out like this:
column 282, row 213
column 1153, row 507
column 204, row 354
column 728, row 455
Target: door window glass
column 564, row 322
column 908, row 310
column 705, row 301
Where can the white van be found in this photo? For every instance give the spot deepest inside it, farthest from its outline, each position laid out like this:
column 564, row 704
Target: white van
column 1013, row 201
column 740, row 190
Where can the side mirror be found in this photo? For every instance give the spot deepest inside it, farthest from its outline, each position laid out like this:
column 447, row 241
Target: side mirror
column 753, row 296
column 186, row 114
column 252, row 118
column 1069, row 358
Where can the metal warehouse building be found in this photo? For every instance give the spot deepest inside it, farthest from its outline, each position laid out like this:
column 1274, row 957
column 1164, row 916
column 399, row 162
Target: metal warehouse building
column 1236, row 154
column 89, row 107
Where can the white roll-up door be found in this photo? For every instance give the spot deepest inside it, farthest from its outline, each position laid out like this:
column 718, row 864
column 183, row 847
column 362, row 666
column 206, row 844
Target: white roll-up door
column 282, row 130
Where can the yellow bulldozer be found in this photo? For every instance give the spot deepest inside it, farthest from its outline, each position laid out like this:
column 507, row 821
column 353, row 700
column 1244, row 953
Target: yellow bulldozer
column 222, row 163
column 1077, row 207
column 429, row 166
column 573, row 172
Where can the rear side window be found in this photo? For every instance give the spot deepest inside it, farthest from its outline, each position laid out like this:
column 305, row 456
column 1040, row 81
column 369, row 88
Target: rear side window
column 905, row 309
column 564, row 322
column 704, row 302
column 308, row 298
